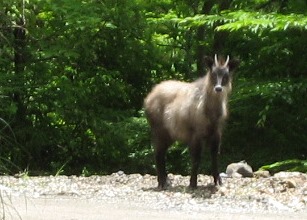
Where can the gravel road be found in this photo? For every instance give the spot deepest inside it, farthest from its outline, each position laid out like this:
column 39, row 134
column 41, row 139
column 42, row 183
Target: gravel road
column 121, row 196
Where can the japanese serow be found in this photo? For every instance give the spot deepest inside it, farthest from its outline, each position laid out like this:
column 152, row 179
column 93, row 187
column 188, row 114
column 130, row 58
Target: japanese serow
column 192, row 113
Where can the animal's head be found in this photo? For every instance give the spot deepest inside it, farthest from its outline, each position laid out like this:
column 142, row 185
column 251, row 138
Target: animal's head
column 220, row 72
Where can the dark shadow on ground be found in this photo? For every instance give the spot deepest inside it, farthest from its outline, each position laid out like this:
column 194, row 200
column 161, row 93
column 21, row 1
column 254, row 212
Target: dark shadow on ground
column 203, row 191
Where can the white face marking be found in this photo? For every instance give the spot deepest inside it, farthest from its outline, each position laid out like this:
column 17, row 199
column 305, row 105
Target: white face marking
column 218, row 87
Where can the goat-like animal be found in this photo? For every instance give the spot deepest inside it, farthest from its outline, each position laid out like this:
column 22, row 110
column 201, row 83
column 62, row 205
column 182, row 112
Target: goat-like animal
column 190, row 113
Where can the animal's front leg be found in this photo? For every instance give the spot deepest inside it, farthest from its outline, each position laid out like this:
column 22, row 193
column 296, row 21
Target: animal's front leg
column 195, row 151
column 214, row 147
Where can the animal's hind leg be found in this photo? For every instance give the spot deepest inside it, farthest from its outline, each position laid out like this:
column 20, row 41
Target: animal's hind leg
column 195, row 151
column 161, row 144
column 161, row 170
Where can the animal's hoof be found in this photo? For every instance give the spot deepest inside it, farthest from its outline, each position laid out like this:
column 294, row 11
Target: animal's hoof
column 217, row 180
column 193, row 186
column 163, row 185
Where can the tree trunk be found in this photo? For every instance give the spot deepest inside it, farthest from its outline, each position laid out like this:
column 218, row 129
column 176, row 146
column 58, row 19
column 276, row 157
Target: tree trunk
column 221, row 36
column 200, row 36
column 19, row 67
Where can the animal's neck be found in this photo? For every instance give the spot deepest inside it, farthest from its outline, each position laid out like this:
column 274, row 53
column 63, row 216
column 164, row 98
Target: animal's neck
column 216, row 101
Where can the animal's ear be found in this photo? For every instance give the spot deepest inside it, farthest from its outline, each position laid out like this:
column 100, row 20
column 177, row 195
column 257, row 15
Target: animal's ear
column 233, row 64
column 208, row 62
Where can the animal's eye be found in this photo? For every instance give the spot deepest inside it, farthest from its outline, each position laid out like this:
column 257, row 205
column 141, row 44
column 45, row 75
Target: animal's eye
column 213, row 73
column 225, row 79
column 213, row 76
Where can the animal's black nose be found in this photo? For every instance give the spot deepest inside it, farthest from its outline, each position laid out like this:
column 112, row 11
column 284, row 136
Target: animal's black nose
column 218, row 88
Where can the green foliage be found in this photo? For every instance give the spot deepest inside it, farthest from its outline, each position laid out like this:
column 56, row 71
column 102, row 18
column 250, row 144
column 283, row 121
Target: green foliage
column 74, row 75
column 229, row 20
column 287, row 165
column 258, row 22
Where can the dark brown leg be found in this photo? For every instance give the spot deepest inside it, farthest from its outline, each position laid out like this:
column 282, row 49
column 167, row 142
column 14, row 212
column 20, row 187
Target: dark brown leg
column 161, row 144
column 195, row 151
column 214, row 144
column 161, row 170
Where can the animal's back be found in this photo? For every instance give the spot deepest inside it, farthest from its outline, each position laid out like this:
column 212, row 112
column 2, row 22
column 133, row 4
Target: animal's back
column 177, row 107
column 160, row 97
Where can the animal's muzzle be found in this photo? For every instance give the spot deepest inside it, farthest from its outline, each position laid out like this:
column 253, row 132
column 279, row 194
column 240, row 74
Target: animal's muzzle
column 218, row 88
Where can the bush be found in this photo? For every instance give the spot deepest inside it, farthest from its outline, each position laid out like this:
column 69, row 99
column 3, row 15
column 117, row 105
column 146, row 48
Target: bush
column 287, row 165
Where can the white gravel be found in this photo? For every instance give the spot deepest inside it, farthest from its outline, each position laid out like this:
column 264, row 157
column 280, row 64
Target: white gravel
column 281, row 193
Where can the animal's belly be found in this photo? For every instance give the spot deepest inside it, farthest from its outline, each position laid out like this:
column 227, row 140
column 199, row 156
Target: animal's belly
column 185, row 131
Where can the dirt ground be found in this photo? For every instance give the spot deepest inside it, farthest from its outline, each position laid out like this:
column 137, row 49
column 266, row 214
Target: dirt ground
column 71, row 208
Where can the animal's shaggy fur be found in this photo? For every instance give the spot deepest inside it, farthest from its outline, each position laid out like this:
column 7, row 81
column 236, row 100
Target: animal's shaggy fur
column 190, row 113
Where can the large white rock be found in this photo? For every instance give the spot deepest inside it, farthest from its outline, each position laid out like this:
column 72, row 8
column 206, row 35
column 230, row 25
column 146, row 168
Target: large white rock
column 239, row 169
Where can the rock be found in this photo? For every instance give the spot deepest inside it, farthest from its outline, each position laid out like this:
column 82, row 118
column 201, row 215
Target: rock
column 120, row 173
column 262, row 173
column 284, row 174
column 290, row 183
column 223, row 191
column 241, row 168
column 236, row 175
column 223, row 175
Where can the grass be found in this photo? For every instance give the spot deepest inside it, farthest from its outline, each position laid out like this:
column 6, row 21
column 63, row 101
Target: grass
column 287, row 165
column 7, row 207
